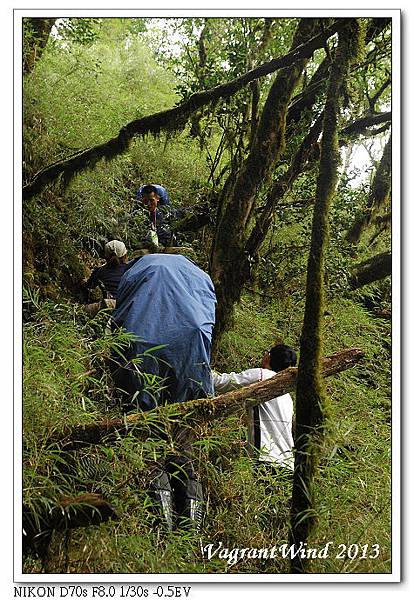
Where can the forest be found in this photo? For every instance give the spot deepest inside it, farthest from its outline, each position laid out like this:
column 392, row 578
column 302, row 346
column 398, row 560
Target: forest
column 272, row 137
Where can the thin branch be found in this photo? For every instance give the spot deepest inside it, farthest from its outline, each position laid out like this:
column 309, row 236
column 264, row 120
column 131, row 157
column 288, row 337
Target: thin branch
column 378, row 94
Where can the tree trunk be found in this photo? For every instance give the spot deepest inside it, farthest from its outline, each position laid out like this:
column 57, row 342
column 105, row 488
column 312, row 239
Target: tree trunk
column 277, row 192
column 255, row 57
column 311, row 401
column 306, row 99
column 250, row 254
column 371, row 270
column 227, row 258
column 36, row 33
column 204, row 410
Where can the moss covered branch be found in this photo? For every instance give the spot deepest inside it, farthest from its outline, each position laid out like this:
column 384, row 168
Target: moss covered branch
column 360, row 125
column 174, row 119
column 376, row 268
column 204, row 410
column 379, row 195
column 279, row 189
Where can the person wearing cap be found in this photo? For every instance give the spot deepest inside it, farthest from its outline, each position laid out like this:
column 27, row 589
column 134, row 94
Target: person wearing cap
column 270, row 424
column 108, row 276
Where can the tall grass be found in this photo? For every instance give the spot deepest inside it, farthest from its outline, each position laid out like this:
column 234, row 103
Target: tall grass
column 66, row 384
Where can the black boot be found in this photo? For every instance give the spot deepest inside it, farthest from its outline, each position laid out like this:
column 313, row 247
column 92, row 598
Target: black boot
column 190, row 506
column 161, row 494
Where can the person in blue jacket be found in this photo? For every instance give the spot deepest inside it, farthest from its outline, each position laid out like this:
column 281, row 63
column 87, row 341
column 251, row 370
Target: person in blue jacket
column 168, row 305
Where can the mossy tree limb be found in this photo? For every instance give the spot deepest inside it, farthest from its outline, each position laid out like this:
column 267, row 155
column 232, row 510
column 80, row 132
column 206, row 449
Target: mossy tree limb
column 172, row 120
column 379, row 195
column 360, row 125
column 375, row 268
column 204, row 410
column 311, row 400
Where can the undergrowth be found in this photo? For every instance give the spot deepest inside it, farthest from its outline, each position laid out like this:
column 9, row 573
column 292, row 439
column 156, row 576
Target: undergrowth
column 66, row 384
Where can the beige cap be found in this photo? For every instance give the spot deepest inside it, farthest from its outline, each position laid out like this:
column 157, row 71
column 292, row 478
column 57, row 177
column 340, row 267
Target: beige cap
column 115, row 247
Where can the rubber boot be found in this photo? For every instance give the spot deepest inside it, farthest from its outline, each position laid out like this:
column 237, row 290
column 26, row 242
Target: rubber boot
column 191, row 505
column 161, row 494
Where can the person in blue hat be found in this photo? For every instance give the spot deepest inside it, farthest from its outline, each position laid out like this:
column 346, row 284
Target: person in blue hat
column 156, row 201
column 145, row 190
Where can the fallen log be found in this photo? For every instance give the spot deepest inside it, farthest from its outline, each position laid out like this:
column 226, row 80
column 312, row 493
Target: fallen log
column 142, row 424
column 68, row 513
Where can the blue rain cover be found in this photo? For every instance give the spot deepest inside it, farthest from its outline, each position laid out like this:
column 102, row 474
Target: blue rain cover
column 166, row 299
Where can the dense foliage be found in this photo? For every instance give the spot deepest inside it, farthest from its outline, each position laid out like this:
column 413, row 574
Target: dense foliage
column 94, row 76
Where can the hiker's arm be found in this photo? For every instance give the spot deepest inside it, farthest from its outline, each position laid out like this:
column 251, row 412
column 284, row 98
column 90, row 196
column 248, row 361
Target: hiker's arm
column 225, row 382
